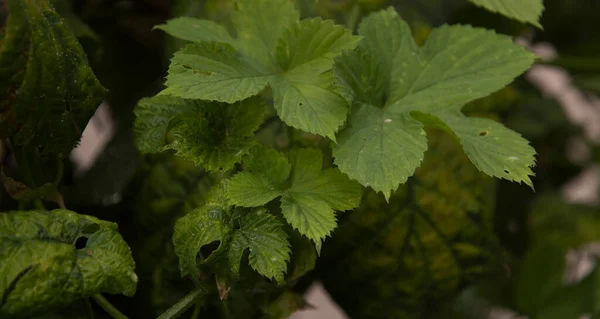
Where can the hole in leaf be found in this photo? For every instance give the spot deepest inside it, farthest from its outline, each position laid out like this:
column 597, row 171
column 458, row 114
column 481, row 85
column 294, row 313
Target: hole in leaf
column 300, row 104
column 506, row 171
column 207, row 249
column 90, row 229
column 483, row 133
column 81, row 242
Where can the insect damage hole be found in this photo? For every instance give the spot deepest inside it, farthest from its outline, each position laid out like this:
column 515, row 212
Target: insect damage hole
column 506, row 171
column 81, row 242
column 483, row 133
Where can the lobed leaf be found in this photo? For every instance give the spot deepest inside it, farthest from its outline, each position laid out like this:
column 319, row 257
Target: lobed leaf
column 272, row 48
column 213, row 135
column 398, row 88
column 528, row 11
column 237, row 231
column 309, row 195
column 49, row 91
column 43, row 267
column 414, row 252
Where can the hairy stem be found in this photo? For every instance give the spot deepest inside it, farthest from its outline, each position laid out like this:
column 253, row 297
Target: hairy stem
column 182, row 305
column 108, row 307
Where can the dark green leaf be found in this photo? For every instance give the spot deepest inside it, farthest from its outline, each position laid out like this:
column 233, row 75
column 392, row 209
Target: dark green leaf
column 49, row 259
column 49, row 91
column 404, row 258
column 237, row 231
column 212, row 135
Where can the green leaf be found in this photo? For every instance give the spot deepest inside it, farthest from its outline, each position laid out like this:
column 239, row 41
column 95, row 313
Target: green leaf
column 406, row 256
column 272, row 48
column 309, row 195
column 263, row 235
column 212, row 135
column 398, row 88
column 49, row 91
column 523, row 10
column 237, row 231
column 153, row 116
column 44, row 265
column 214, row 71
column 196, row 30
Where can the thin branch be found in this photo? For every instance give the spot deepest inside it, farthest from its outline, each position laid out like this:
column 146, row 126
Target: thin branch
column 108, row 307
column 184, row 304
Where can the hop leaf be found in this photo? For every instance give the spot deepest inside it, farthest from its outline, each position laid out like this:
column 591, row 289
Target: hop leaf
column 272, row 48
column 398, row 88
column 237, row 230
column 523, row 10
column 214, row 135
column 309, row 196
column 42, row 267
column 415, row 252
column 48, row 91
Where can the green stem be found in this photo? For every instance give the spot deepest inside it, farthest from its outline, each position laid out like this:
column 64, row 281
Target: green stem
column 89, row 312
column 354, row 16
column 39, row 204
column 182, row 305
column 108, row 307
column 196, row 313
column 60, row 172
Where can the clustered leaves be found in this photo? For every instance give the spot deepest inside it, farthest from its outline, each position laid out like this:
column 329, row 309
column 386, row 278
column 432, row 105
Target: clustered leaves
column 400, row 88
column 309, row 196
column 237, row 230
column 372, row 95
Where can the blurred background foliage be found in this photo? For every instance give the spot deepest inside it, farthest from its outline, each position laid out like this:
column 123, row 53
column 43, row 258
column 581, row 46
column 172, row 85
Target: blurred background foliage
column 450, row 243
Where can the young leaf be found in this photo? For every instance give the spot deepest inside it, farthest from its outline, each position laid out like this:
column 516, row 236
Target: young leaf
column 399, row 87
column 214, row 135
column 259, row 232
column 48, row 90
column 49, row 259
column 523, row 10
column 416, row 251
column 309, row 196
column 272, row 48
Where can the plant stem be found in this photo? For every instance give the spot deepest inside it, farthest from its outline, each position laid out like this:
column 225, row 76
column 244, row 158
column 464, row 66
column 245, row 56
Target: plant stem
column 89, row 312
column 196, row 312
column 108, row 307
column 182, row 305
column 60, row 172
column 354, row 16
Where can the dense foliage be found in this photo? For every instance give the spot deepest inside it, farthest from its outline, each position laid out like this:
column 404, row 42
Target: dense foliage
column 384, row 148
